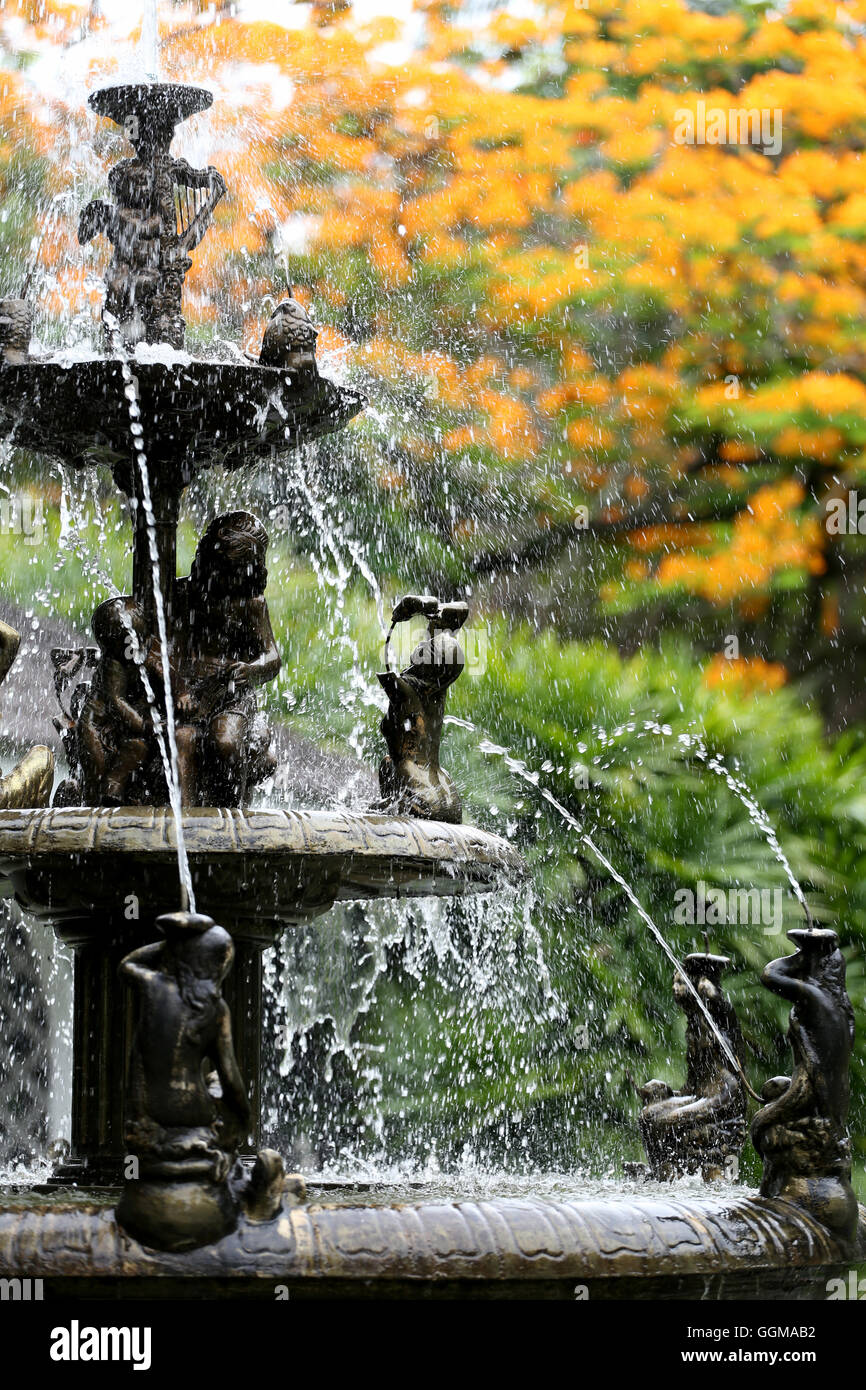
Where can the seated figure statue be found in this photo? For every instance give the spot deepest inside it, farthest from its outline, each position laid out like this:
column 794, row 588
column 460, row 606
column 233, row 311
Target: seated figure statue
column 223, row 651
column 187, row 1111
column 115, row 730
column 701, row 1128
column 29, row 783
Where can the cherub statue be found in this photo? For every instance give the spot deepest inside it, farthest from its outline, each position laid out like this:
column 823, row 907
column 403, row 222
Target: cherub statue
column 187, row 1109
column 152, row 233
column 410, row 778
column 115, row 736
column 701, row 1128
column 801, row 1134
column 29, row 783
column 224, row 649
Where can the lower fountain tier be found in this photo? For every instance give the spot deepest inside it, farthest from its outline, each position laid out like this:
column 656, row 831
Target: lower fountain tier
column 100, row 877
column 706, row 1247
column 193, row 414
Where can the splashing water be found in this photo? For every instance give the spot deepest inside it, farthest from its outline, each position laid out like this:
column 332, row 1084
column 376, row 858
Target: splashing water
column 331, row 1086
column 519, row 768
column 333, row 560
column 716, row 764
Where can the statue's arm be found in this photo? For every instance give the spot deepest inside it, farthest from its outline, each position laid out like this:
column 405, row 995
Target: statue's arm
column 777, row 976
column 114, row 684
column 141, row 964
column 98, row 217
column 266, row 666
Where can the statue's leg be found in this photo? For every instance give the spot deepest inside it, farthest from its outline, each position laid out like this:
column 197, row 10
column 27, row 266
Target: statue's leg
column 227, row 758
column 187, row 740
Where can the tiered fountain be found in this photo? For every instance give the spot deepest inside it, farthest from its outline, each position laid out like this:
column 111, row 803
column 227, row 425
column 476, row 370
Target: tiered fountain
column 150, row 833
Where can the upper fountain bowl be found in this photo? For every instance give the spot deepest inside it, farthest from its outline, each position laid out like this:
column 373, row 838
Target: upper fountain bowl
column 150, row 106
column 194, row 414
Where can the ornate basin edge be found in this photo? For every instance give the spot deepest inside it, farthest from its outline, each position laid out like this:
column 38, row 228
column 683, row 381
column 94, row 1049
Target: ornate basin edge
column 497, row 1241
column 33, row 835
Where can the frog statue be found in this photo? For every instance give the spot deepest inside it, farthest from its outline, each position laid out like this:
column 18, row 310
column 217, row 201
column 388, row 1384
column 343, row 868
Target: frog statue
column 801, row 1133
column 700, row 1129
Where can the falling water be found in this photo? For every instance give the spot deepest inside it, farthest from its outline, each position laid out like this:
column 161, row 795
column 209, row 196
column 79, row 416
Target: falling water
column 168, row 746
column 332, row 561
column 330, row 1077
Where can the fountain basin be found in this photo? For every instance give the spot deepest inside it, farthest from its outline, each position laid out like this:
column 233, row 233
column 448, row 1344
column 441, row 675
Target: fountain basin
column 658, row 1248
column 194, row 414
column 255, row 871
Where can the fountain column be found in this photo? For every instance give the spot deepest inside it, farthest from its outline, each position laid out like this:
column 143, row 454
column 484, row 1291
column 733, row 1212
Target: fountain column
column 166, row 509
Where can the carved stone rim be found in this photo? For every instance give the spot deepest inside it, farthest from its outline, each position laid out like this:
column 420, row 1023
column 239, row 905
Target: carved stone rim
column 32, row 835
column 494, row 1241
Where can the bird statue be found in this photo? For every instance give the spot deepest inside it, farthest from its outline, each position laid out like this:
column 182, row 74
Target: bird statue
column 290, row 338
column 29, row 784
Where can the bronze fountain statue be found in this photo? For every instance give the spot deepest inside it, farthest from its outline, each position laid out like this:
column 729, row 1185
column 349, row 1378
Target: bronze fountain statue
column 166, row 1077
column 410, row 777
column 701, row 1128
column 801, row 1133
column 162, row 210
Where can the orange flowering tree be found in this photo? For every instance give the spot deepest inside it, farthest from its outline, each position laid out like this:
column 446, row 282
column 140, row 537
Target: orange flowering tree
column 603, row 271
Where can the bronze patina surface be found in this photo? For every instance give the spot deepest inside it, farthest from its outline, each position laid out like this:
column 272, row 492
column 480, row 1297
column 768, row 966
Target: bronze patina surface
column 162, row 208
column 183, row 1186
column 709, row 1247
column 264, row 869
column 702, row 1127
column 195, row 414
column 411, row 779
column 802, row 1133
column 222, row 649
column 100, row 876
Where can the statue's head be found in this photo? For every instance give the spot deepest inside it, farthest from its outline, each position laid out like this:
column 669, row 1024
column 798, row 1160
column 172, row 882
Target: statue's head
column 211, row 954
column 437, row 661
column 114, row 623
column 200, row 951
column 230, row 558
column 291, row 311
